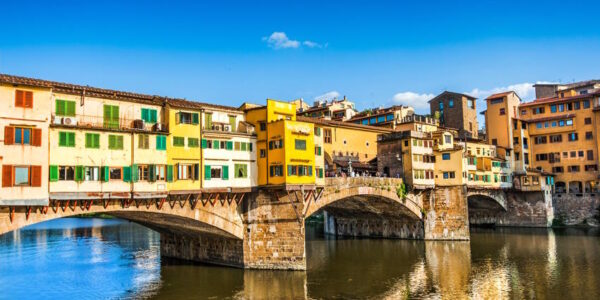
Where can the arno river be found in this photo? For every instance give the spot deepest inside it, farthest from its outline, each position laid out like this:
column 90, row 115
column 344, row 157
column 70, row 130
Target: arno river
column 99, row 259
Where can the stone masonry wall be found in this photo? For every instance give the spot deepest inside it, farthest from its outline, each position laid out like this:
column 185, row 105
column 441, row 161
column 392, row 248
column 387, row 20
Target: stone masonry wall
column 206, row 248
column 446, row 214
column 573, row 210
column 381, row 227
column 528, row 209
column 274, row 236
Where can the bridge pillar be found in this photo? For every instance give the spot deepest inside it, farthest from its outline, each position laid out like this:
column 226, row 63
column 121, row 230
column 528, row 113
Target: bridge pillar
column 446, row 213
column 274, row 235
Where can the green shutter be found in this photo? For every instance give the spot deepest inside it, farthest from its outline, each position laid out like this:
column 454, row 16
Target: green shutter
column 195, row 119
column 208, row 124
column 243, row 146
column 229, row 145
column 177, row 118
column 145, row 116
column 161, row 142
column 170, row 173
column 104, row 174
column 196, row 171
column 204, row 144
column 120, row 142
column 153, row 116
column 53, row 173
column 225, row 172
column 134, row 173
column 215, row 144
column 127, row 174
column 89, row 140
column 151, row 173
column 71, row 136
column 60, row 108
column 232, row 122
column 289, row 170
column 111, row 142
column 206, row 172
column 250, row 147
column 70, row 108
column 79, row 171
column 62, row 138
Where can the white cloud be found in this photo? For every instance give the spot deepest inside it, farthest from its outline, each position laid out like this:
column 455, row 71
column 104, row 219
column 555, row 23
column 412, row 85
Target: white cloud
column 279, row 40
column 311, row 44
column 328, row 96
column 417, row 101
column 525, row 90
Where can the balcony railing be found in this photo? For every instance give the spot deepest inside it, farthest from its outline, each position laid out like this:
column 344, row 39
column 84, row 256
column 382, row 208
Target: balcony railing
column 419, row 118
column 101, row 123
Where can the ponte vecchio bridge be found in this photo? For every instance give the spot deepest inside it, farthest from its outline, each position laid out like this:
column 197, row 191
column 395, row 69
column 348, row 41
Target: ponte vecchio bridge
column 264, row 229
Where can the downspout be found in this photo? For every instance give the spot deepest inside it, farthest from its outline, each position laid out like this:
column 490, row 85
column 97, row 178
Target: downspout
column 201, row 162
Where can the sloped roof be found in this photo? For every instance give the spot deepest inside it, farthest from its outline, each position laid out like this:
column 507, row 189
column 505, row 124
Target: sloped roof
column 452, row 93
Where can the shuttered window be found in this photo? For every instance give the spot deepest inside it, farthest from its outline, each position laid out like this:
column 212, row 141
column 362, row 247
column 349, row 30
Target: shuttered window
column 22, row 136
column 233, row 123
column 149, row 115
column 241, row 171
column 115, row 142
column 111, row 116
column 92, row 140
column 208, row 121
column 193, row 142
column 161, row 142
column 178, row 141
column 23, row 99
column 66, row 139
column 143, row 141
column 65, row 108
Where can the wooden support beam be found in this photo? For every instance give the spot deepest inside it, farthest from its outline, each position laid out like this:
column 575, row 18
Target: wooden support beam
column 11, row 213
column 159, row 203
column 44, row 209
column 54, row 205
column 27, row 212
column 293, row 205
column 105, row 203
column 240, row 199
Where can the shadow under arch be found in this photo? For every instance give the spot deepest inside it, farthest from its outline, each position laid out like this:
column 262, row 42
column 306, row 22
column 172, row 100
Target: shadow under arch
column 484, row 210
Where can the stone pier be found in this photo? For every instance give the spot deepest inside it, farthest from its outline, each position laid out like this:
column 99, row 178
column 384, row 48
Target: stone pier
column 446, row 213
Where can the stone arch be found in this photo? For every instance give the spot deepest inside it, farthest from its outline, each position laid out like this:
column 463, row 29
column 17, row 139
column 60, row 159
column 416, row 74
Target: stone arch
column 486, row 207
column 411, row 207
column 219, row 219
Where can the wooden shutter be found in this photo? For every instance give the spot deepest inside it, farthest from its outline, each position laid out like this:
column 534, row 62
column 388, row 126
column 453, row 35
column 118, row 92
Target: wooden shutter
column 36, row 176
column 229, row 145
column 145, row 115
column 19, row 97
column 152, row 173
column 195, row 119
column 37, row 137
column 207, row 172
column 53, row 173
column 177, row 118
column 70, row 108
column 79, row 173
column 9, row 135
column 62, row 138
column 7, row 175
column 104, row 174
column 153, row 116
column 134, row 173
column 59, row 107
column 71, row 139
column 204, row 144
column 169, row 173
column 28, row 101
column 215, row 144
column 196, row 171
column 225, row 172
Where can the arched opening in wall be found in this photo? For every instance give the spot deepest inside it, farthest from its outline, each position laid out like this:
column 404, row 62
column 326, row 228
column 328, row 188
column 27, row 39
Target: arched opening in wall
column 484, row 211
column 386, row 171
column 184, row 234
column 560, row 187
column 365, row 216
column 575, row 187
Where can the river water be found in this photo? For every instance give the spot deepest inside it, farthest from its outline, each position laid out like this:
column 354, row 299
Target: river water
column 94, row 258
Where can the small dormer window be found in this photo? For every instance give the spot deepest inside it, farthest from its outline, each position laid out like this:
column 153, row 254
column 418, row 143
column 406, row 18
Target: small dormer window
column 451, row 103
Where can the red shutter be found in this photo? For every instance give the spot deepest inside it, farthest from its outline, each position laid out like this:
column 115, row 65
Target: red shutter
column 28, row 100
column 36, row 176
column 37, row 137
column 7, row 176
column 19, row 98
column 9, row 135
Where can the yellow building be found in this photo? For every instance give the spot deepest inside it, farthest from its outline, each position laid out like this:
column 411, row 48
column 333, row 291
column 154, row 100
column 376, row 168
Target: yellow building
column 24, row 118
column 286, row 147
column 183, row 147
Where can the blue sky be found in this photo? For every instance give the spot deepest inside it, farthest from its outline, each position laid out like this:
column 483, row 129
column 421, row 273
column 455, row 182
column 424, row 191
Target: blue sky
column 375, row 53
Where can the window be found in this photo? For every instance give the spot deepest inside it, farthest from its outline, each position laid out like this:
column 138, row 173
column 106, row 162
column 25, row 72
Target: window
column 538, row 125
column 92, row 174
column 541, row 156
column 515, row 140
column 92, row 140
column 546, row 124
column 554, row 123
column 193, row 142
column 149, row 115
column 23, row 99
column 574, row 169
column 160, row 172
column 318, row 150
column 22, row 136
column 556, row 138
column 66, row 139
column 143, row 172
column 449, row 175
column 591, row 167
column 471, row 104
column 558, row 169
column 494, row 141
column 143, row 141
column 111, row 116
column 577, row 105
column 586, row 104
column 21, row 175
column 300, row 144
column 496, row 101
column 276, row 171
column 188, row 171
column 590, row 155
column 580, row 152
column 587, row 121
column 263, row 153
column 380, row 119
column 389, row 117
column 451, row 103
column 65, row 108
column 276, row 144
column 502, row 111
column 538, row 110
column 441, row 105
column 191, row 118
column 573, row 154
column 561, row 123
column 317, row 131
column 372, row 120
column 517, row 155
column 115, row 173
column 262, row 126
column 540, row 140
column 569, row 122
column 445, row 156
column 115, row 142
column 241, row 170
column 364, row 122
column 161, row 142
column 178, row 141
column 447, row 139
column 572, row 136
column 589, row 135
column 561, row 107
column 327, row 136
column 553, row 108
column 66, row 173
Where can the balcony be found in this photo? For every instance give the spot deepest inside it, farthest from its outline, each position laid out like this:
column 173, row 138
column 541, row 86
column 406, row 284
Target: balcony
column 96, row 122
column 419, row 118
